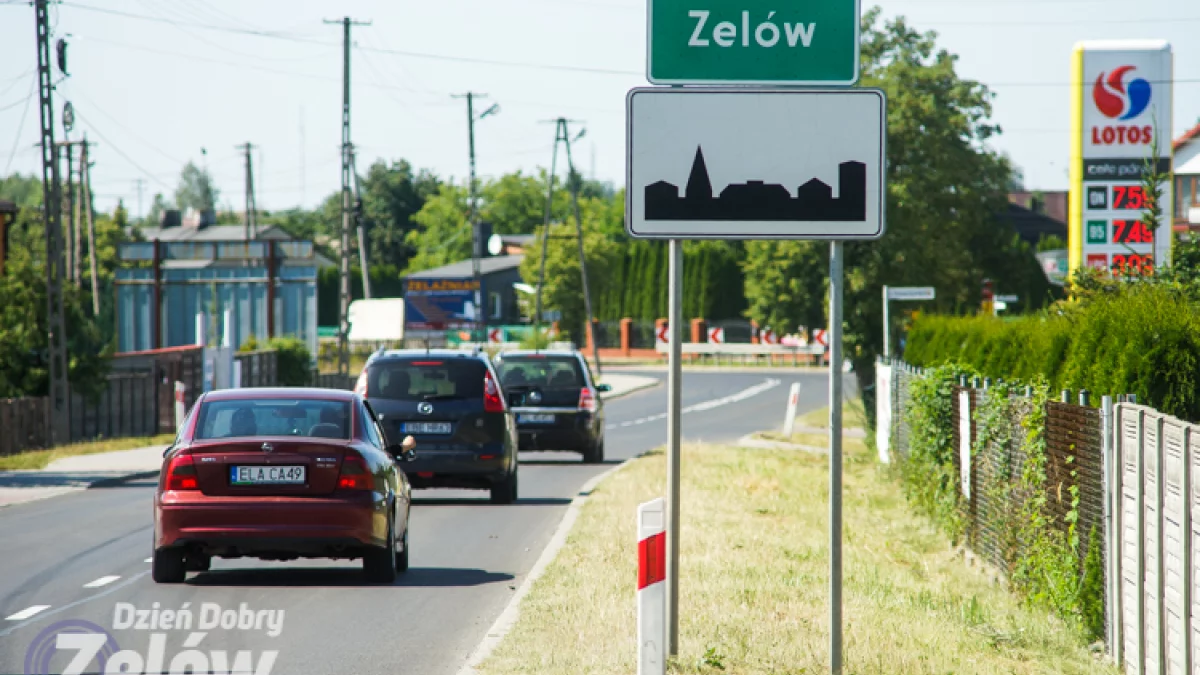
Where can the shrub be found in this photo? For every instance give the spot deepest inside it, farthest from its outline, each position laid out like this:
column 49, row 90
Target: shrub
column 293, row 361
column 1143, row 340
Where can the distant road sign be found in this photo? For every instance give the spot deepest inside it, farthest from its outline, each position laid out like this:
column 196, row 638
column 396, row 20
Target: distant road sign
column 755, row 163
column 1006, row 298
column 911, row 293
column 716, row 336
column 495, row 335
column 752, row 42
column 819, row 337
column 664, row 334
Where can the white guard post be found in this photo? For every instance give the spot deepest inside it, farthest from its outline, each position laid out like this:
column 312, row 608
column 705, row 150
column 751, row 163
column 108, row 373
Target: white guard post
column 652, row 592
column 789, row 422
column 180, row 410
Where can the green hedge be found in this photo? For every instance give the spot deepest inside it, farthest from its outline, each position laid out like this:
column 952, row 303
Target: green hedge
column 1144, row 340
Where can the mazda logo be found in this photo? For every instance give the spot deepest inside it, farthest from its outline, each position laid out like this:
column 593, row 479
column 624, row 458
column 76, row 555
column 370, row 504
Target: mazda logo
column 425, row 408
column 267, row 447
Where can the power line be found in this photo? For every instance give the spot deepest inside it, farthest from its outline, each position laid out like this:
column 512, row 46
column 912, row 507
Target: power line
column 20, row 127
column 117, row 150
column 380, row 50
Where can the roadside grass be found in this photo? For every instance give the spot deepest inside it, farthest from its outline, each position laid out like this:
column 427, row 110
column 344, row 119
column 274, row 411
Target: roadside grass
column 38, row 459
column 853, row 416
column 754, row 581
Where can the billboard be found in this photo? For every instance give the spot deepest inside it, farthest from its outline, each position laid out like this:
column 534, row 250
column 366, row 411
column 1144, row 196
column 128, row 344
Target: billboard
column 1121, row 103
column 439, row 304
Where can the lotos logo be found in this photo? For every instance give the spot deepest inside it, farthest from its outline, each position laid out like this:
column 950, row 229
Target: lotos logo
column 1116, row 100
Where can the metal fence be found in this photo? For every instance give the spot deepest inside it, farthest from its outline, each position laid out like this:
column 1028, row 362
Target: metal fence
column 989, row 486
column 259, row 369
column 23, row 421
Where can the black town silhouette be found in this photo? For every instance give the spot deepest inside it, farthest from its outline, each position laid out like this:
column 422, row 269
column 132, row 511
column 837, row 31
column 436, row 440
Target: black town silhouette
column 758, row 201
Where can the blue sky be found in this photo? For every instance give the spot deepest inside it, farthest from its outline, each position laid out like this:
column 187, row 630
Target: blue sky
column 153, row 82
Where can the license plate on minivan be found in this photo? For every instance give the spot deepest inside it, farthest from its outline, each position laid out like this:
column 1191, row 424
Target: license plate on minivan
column 535, row 419
column 266, row 475
column 426, row 427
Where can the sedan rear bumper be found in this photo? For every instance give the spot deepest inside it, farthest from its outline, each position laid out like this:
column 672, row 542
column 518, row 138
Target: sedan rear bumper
column 273, row 524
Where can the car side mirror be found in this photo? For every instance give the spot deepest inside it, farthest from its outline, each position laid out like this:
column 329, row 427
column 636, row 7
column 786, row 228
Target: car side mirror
column 168, row 451
column 603, row 388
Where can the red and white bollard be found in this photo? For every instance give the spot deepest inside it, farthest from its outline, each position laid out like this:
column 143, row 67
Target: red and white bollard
column 652, row 591
column 789, row 419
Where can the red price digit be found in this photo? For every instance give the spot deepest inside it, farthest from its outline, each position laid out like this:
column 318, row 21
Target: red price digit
column 1129, row 198
column 1131, row 232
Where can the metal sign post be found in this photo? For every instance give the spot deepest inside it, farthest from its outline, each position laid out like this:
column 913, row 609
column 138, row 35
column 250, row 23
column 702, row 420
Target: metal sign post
column 759, row 164
column 835, row 457
column 674, row 392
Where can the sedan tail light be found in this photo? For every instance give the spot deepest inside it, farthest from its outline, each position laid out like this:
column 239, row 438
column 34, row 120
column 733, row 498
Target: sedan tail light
column 355, row 474
column 587, row 400
column 181, row 474
column 492, row 400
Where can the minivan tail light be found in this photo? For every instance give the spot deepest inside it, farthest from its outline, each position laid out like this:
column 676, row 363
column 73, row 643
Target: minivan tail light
column 360, row 387
column 355, row 475
column 587, row 400
column 493, row 402
column 181, row 474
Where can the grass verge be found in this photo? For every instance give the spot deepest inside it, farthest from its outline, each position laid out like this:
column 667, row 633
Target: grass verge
column 754, row 582
column 38, row 459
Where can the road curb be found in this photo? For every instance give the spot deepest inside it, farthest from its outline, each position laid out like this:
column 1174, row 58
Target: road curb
column 120, row 480
column 632, row 390
column 764, row 444
column 508, row 617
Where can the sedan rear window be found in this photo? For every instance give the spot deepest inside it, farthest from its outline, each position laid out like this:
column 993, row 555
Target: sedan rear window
column 542, row 372
column 426, row 379
column 274, row 417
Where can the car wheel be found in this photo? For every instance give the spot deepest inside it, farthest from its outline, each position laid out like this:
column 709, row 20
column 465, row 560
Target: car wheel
column 379, row 564
column 402, row 556
column 198, row 562
column 505, row 492
column 168, row 566
column 594, row 453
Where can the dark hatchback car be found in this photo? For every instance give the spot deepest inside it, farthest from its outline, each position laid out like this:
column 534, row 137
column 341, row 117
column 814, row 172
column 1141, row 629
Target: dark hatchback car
column 556, row 401
column 452, row 404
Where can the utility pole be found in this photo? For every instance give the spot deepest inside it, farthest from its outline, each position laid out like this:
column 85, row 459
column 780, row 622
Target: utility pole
column 86, row 180
column 69, row 209
column 558, row 136
column 58, row 413
column 344, row 316
column 575, row 178
column 562, row 135
column 473, row 213
column 251, row 206
column 361, row 227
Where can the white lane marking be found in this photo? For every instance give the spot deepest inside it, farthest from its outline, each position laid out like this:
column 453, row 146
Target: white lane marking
column 102, row 581
column 58, row 610
column 767, row 385
column 27, row 612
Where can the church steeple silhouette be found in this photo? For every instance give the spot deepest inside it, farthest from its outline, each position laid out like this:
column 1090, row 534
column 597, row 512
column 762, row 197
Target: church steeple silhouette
column 699, row 186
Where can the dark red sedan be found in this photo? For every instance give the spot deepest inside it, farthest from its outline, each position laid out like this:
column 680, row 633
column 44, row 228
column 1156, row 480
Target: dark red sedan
column 280, row 474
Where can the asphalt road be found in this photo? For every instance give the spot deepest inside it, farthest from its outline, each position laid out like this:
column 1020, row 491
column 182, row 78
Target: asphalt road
column 84, row 557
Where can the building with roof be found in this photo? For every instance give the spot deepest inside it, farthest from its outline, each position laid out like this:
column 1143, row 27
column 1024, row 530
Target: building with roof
column 1187, row 181
column 264, row 285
